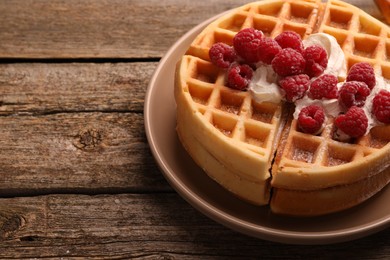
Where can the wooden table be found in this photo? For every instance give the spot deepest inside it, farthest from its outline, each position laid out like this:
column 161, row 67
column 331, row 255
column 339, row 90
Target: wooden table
column 77, row 178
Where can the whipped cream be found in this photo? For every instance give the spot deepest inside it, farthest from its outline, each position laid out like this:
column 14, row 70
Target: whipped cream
column 336, row 59
column 381, row 83
column 337, row 66
column 331, row 106
column 263, row 87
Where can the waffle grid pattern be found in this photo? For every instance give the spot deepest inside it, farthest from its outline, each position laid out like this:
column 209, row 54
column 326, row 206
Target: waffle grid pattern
column 235, row 113
column 271, row 18
column 242, row 124
column 362, row 40
column 307, row 151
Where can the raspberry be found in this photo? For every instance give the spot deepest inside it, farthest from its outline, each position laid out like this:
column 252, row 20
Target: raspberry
column 290, row 39
column 316, row 60
column 364, row 72
column 354, row 123
column 288, row 62
column 311, row 119
column 246, row 43
column 353, row 93
column 295, row 86
column 324, row 86
column 381, row 106
column 222, row 55
column 239, row 76
column 268, row 48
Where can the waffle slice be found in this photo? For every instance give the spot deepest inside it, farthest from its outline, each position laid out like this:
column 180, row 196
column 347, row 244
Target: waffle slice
column 234, row 139
column 238, row 132
column 327, row 200
column 255, row 192
column 305, row 163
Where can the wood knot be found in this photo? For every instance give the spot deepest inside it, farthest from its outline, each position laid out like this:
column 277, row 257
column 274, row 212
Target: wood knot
column 165, row 257
column 10, row 225
column 89, row 139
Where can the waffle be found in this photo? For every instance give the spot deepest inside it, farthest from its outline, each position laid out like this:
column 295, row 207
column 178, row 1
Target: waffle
column 236, row 131
column 249, row 147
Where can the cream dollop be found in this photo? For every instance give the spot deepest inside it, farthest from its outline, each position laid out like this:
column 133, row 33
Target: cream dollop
column 337, row 66
column 263, row 86
column 331, row 106
column 381, row 83
column 336, row 60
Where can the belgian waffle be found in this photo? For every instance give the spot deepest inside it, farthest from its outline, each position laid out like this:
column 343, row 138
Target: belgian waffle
column 228, row 124
column 234, row 138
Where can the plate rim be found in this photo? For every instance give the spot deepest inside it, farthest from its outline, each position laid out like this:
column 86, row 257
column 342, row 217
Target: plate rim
column 232, row 222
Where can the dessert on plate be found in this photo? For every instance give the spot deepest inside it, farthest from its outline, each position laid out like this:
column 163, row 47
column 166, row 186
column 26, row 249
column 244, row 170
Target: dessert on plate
column 287, row 103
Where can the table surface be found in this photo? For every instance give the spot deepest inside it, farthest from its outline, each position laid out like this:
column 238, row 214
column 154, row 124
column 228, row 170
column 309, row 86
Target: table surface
column 77, row 178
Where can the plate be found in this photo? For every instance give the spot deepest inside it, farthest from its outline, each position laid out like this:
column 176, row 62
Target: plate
column 215, row 202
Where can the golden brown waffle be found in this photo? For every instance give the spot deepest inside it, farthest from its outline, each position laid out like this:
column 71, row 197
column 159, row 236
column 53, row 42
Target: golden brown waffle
column 308, row 163
column 328, row 200
column 362, row 37
column 228, row 124
column 234, row 139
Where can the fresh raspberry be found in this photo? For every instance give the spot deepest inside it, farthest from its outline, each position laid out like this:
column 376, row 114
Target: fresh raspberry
column 353, row 123
column 364, row 72
column 288, row 62
column 246, row 43
column 295, row 86
column 268, row 48
column 353, row 93
column 381, row 106
column 222, row 55
column 311, row 119
column 324, row 86
column 239, row 76
column 290, row 39
column 316, row 60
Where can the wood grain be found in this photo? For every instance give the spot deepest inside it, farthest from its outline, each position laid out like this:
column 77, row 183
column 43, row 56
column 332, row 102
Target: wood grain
column 101, row 28
column 105, row 29
column 57, row 147
column 36, row 88
column 147, row 226
column 76, row 152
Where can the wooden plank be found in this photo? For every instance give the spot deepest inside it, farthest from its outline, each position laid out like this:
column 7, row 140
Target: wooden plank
column 76, row 152
column 125, row 29
column 150, row 226
column 36, row 88
column 105, row 29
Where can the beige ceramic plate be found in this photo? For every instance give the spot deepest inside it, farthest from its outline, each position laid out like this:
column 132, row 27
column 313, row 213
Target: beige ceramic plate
column 212, row 200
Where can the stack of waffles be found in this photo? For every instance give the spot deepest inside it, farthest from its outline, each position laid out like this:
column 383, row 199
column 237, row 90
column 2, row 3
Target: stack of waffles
column 255, row 150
